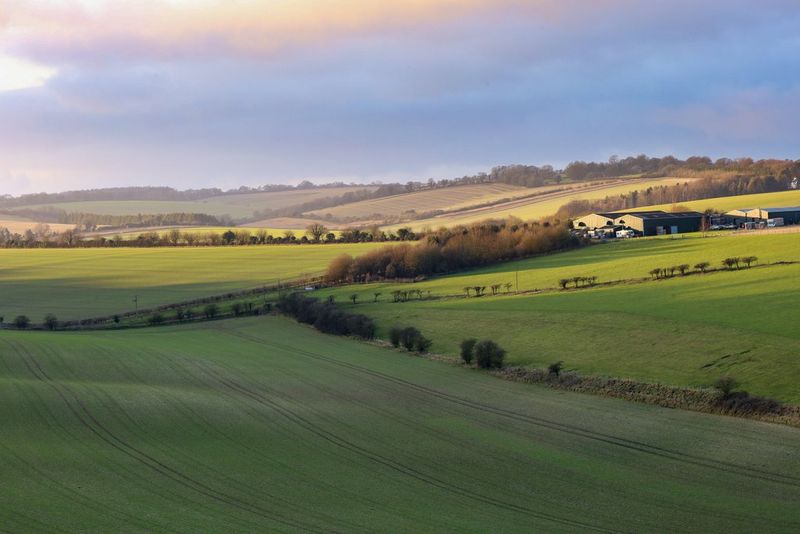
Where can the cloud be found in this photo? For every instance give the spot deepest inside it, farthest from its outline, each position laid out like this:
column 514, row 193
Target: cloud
column 207, row 94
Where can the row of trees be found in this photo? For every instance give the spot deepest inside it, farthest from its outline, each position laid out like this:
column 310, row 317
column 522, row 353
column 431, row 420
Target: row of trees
column 453, row 249
column 41, row 236
column 701, row 267
column 326, row 316
column 577, row 281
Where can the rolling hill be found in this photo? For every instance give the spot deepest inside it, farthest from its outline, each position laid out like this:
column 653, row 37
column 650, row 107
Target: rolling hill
column 538, row 206
column 685, row 331
column 263, row 425
column 86, row 282
column 237, row 206
column 723, row 204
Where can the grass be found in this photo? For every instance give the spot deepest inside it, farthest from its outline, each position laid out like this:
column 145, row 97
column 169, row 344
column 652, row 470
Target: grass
column 237, row 206
column 79, row 283
column 540, row 206
column 723, row 204
column 685, row 331
column 263, row 425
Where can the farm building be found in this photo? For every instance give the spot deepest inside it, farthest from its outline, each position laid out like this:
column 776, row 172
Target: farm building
column 645, row 222
column 790, row 215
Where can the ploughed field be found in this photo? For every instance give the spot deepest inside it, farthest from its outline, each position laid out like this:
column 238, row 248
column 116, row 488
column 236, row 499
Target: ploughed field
column 262, row 424
column 540, row 206
column 237, row 206
column 685, row 331
column 80, row 283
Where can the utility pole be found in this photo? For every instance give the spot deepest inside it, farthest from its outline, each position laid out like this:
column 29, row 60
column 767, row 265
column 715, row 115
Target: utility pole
column 136, row 301
column 517, row 281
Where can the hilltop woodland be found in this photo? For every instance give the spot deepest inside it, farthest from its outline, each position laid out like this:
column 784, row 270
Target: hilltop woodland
column 452, row 249
column 710, row 187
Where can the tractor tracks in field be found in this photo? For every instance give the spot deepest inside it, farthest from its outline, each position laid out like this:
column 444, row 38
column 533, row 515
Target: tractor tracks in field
column 637, row 446
column 88, row 420
column 390, row 463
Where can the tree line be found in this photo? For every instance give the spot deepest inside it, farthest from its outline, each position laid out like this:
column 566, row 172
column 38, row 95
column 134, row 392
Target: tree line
column 453, row 249
column 326, row 316
column 684, row 192
column 41, row 236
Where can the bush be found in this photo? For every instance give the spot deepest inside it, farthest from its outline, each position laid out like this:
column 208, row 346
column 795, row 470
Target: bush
column 50, row 321
column 155, row 319
column 394, row 336
column 236, row 308
column 489, row 355
column 423, row 344
column 409, row 337
column 555, row 368
column 467, row 350
column 180, row 314
column 116, row 319
column 21, row 321
column 211, row 311
column 726, row 385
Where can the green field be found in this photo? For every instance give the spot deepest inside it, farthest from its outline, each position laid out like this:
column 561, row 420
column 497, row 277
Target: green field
column 723, row 204
column 79, row 283
column 263, row 425
column 687, row 331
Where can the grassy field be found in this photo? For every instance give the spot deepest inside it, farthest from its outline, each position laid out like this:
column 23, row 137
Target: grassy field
column 540, row 206
column 236, row 206
column 263, row 425
column 76, row 283
column 687, row 331
column 430, row 200
column 722, row 204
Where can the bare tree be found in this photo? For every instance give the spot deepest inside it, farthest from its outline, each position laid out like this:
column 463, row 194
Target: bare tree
column 702, row 266
column 315, row 231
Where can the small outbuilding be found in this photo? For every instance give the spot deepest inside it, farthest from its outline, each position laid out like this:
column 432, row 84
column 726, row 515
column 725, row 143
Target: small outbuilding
column 644, row 222
column 788, row 215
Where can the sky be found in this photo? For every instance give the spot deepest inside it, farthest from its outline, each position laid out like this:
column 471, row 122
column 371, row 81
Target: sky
column 207, row 93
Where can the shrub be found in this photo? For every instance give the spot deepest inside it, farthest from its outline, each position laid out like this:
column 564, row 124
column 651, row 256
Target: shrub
column 21, row 321
column 50, row 321
column 467, row 350
column 211, row 311
column 555, row 368
column 409, row 337
column 702, row 266
column 726, row 385
column 236, row 308
column 395, row 333
column 155, row 319
column 423, row 344
column 180, row 314
column 489, row 355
